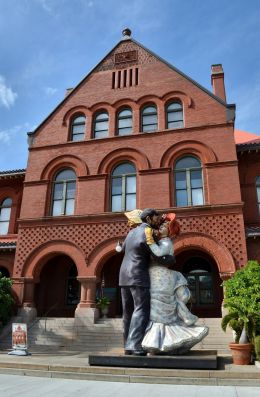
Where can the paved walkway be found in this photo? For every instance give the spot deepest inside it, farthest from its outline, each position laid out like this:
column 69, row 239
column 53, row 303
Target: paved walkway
column 26, row 386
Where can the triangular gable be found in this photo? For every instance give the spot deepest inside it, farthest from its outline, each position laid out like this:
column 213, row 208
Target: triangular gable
column 115, row 60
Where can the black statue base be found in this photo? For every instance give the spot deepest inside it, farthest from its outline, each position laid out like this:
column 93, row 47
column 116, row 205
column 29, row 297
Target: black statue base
column 195, row 359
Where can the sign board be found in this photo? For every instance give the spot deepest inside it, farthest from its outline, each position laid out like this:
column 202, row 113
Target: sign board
column 19, row 336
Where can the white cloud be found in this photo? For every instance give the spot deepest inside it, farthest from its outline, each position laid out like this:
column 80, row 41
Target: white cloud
column 10, row 135
column 50, row 91
column 7, row 95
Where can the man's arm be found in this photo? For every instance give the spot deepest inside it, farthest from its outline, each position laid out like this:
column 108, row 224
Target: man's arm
column 156, row 251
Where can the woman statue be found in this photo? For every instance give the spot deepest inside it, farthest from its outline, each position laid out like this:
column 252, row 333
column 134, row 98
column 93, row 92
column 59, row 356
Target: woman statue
column 171, row 329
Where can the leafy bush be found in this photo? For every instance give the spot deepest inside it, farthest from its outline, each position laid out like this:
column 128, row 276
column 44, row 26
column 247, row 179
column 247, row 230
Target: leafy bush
column 6, row 300
column 242, row 299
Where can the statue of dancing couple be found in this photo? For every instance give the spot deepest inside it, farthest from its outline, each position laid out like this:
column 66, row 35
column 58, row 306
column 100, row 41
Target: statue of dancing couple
column 156, row 319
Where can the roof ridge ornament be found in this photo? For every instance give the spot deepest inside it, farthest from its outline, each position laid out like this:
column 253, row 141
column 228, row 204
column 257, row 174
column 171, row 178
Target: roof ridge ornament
column 126, row 34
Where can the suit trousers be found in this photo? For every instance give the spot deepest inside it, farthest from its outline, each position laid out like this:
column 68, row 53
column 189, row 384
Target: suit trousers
column 136, row 314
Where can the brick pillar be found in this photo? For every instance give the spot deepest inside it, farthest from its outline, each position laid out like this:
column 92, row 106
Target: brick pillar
column 87, row 311
column 28, row 311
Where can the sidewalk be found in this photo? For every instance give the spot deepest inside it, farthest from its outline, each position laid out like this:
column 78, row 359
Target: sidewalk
column 74, row 365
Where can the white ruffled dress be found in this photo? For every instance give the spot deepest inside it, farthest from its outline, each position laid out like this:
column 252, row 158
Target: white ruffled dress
column 171, row 328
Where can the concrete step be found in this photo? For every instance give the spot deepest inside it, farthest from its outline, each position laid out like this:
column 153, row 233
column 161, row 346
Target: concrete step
column 225, row 375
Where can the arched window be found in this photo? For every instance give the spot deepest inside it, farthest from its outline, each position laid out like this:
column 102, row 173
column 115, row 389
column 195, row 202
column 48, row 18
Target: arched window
column 123, row 188
column 258, row 192
column 101, row 125
column 78, row 128
column 174, row 115
column 5, row 213
column 188, row 182
column 125, row 122
column 64, row 188
column 149, row 119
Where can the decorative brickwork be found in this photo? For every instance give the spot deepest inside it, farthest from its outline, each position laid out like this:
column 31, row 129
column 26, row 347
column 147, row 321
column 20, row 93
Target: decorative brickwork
column 225, row 229
column 143, row 57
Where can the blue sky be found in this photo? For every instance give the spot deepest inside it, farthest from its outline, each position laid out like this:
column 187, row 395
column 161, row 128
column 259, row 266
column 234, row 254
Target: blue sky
column 47, row 46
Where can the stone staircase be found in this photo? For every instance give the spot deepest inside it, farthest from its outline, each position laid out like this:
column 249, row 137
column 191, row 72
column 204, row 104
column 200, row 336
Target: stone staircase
column 48, row 334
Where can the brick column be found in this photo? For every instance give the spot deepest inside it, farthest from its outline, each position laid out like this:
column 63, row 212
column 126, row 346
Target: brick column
column 87, row 311
column 28, row 311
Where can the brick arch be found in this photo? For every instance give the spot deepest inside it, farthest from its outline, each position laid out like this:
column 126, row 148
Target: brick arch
column 126, row 102
column 216, row 250
column 75, row 110
column 136, row 156
column 101, row 106
column 204, row 152
column 149, row 99
column 101, row 254
column 78, row 165
column 43, row 253
column 178, row 95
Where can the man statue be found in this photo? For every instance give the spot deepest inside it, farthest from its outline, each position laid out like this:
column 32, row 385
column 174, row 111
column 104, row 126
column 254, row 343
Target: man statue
column 135, row 282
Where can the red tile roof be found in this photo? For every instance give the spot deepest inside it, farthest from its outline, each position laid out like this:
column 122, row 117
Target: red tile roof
column 246, row 137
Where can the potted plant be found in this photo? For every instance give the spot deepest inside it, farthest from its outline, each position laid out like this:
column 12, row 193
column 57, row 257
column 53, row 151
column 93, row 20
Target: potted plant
column 103, row 303
column 242, row 301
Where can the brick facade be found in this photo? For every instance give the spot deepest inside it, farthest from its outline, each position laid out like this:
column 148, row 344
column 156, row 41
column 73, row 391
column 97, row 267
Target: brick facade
column 214, row 230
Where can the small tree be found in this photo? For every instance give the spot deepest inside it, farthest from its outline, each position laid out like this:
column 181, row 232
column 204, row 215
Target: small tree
column 242, row 299
column 6, row 299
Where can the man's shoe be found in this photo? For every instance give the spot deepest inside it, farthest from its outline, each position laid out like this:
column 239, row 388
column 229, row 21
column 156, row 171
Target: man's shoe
column 128, row 352
column 139, row 353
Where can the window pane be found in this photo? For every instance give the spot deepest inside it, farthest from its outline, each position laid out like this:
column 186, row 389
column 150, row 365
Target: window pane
column 78, row 137
column 101, row 126
column 206, row 296
column 4, row 226
column 71, row 187
column 69, row 207
column 150, row 119
column 175, row 116
column 149, row 128
column 175, row 124
column 78, row 129
column 181, row 198
column 101, row 134
column 79, row 119
column 125, row 123
column 125, row 168
column 58, row 191
column 258, row 194
column 131, row 184
column 5, row 214
column 65, row 175
column 7, row 202
column 150, row 109
column 124, row 131
column 125, row 113
column 180, row 180
column 130, row 202
column 102, row 116
column 197, row 196
column 174, row 106
column 116, row 186
column 57, row 208
column 116, row 203
column 258, row 180
column 188, row 162
column 196, row 179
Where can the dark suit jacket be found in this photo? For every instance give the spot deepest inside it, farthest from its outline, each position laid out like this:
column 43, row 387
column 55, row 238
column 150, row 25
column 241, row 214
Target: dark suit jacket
column 135, row 265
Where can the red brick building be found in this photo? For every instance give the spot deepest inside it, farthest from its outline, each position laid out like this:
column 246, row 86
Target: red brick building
column 135, row 133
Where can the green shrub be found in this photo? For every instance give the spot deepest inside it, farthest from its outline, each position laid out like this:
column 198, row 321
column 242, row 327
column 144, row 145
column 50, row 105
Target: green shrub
column 6, row 299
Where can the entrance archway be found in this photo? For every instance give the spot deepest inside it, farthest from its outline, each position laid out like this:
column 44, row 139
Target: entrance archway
column 109, row 284
column 201, row 271
column 58, row 291
column 4, row 271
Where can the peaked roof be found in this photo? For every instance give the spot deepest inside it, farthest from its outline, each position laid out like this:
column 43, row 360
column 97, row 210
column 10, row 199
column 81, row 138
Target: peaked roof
column 246, row 141
column 127, row 38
